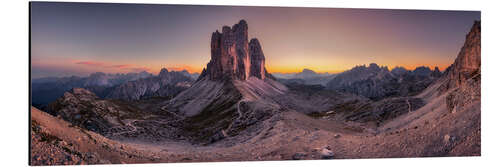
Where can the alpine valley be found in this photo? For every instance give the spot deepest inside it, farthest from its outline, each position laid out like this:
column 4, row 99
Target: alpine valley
column 235, row 110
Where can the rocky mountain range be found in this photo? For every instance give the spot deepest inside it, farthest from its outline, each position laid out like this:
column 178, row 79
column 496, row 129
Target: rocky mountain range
column 96, row 79
column 306, row 77
column 130, row 86
column 376, row 82
column 46, row 90
column 194, row 75
column 305, row 73
column 164, row 85
column 235, row 110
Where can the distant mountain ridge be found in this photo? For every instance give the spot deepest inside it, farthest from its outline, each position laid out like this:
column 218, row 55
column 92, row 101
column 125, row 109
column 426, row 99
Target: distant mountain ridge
column 378, row 82
column 306, row 77
column 48, row 89
column 165, row 84
column 97, row 78
column 305, row 73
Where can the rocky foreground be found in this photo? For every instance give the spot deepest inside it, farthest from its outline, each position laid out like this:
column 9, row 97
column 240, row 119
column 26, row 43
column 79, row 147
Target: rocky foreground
column 236, row 111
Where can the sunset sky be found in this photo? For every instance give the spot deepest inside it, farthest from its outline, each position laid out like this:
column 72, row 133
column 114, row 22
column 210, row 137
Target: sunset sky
column 80, row 38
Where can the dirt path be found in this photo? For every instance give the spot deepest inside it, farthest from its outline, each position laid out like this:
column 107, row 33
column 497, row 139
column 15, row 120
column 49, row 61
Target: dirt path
column 174, row 114
column 409, row 105
column 240, row 114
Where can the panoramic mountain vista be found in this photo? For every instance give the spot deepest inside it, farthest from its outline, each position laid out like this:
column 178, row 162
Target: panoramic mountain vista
column 238, row 107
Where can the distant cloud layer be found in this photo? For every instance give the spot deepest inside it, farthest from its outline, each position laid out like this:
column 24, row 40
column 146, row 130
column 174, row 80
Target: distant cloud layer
column 89, row 63
column 128, row 67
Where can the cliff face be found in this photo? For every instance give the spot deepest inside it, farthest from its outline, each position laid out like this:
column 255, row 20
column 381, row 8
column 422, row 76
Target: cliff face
column 463, row 77
column 232, row 57
column 257, row 59
column 468, row 62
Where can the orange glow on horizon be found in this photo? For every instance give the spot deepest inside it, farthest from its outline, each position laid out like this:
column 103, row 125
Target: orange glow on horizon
column 280, row 68
column 289, row 69
column 188, row 68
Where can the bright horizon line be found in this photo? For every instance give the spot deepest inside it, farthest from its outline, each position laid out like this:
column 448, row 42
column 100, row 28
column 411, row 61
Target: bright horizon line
column 441, row 67
column 191, row 70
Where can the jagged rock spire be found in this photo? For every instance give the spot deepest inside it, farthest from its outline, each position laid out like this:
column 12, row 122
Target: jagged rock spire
column 257, row 59
column 231, row 57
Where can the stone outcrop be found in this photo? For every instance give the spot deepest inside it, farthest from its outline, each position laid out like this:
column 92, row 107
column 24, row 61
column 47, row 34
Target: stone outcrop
column 233, row 57
column 463, row 77
column 468, row 62
column 257, row 59
column 83, row 108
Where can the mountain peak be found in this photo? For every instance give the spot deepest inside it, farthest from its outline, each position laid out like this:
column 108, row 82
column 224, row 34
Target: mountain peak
column 436, row 68
column 233, row 57
column 373, row 65
column 163, row 72
column 436, row 72
column 308, row 71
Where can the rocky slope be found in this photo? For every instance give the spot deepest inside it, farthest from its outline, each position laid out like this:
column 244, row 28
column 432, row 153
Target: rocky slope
column 463, row 77
column 141, row 120
column 57, row 142
column 468, row 63
column 84, row 109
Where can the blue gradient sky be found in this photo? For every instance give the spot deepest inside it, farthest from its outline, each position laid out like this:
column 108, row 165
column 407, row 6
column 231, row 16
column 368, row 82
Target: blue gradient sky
column 80, row 38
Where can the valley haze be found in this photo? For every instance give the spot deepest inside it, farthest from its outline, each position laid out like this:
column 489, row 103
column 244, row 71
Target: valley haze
column 153, row 86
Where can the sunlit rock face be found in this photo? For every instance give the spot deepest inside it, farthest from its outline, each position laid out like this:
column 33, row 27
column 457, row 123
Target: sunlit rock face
column 463, row 77
column 229, row 53
column 468, row 62
column 233, row 57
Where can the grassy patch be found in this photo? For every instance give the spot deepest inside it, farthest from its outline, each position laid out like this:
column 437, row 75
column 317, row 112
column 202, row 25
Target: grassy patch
column 216, row 116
